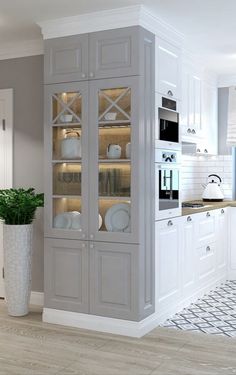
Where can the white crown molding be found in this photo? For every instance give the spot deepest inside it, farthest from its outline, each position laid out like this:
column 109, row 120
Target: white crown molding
column 226, row 80
column 109, row 19
column 21, row 49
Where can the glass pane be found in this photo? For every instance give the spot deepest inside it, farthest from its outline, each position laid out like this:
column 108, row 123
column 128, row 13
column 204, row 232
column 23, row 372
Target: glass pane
column 67, row 179
column 114, row 178
column 67, row 214
column 66, row 107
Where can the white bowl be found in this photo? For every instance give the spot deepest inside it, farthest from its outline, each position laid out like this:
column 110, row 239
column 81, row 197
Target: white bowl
column 66, row 118
column 110, row 116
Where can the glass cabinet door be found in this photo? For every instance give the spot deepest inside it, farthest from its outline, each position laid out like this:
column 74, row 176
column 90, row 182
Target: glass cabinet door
column 112, row 208
column 65, row 134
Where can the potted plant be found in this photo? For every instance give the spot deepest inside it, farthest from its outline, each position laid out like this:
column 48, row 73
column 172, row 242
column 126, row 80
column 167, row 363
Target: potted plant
column 17, row 210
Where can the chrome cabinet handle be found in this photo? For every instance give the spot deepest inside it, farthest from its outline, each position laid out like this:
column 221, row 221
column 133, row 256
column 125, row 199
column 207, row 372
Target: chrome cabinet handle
column 198, row 150
column 208, row 248
column 189, row 218
column 193, row 131
column 170, row 223
column 222, row 211
column 83, row 235
column 170, row 93
column 91, row 246
column 83, row 75
column 92, row 236
column 83, row 245
column 208, row 214
column 189, row 130
column 91, row 74
column 206, row 151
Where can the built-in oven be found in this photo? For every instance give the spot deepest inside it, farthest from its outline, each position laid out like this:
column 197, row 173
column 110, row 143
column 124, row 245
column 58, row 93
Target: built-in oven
column 167, row 122
column 167, row 176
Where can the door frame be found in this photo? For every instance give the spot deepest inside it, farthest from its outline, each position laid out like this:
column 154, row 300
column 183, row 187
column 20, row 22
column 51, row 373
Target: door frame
column 6, row 142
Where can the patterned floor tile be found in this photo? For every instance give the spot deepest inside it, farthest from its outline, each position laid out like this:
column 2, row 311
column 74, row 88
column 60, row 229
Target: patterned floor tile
column 214, row 314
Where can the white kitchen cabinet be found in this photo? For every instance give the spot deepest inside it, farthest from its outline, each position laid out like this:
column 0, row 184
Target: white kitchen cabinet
column 206, row 264
column 190, row 119
column 232, row 243
column 209, row 119
column 222, row 241
column 168, row 274
column 168, row 68
column 188, row 255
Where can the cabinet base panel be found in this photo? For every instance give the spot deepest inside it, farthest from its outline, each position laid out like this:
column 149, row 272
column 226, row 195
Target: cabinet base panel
column 100, row 323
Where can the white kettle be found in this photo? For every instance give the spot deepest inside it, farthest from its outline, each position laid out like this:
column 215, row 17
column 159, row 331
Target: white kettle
column 113, row 151
column 71, row 145
column 212, row 191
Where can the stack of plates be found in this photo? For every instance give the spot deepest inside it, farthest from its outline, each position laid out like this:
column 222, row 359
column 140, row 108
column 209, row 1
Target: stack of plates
column 70, row 220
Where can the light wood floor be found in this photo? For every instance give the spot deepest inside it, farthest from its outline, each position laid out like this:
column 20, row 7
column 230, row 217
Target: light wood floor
column 30, row 347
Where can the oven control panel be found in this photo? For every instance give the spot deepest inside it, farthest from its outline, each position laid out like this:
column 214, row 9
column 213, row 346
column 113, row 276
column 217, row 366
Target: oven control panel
column 167, row 156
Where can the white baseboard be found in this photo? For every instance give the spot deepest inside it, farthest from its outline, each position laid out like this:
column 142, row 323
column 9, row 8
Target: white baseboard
column 100, row 323
column 37, row 298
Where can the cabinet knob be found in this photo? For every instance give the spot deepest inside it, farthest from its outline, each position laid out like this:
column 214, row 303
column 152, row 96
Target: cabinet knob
column 208, row 249
column 198, row 150
column 169, row 92
column 206, row 151
column 83, row 245
column 193, row 131
column 91, row 236
column 91, row 74
column 189, row 130
column 83, row 235
column 222, row 211
column 83, row 75
column 170, row 223
column 91, row 246
column 208, row 214
column 189, row 218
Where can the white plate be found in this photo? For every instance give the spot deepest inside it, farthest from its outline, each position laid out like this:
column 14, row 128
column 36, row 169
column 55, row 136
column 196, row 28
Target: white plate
column 62, row 221
column 76, row 220
column 117, row 218
column 99, row 221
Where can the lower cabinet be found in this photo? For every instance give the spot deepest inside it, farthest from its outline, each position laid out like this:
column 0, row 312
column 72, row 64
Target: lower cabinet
column 168, row 276
column 66, row 269
column 191, row 256
column 92, row 277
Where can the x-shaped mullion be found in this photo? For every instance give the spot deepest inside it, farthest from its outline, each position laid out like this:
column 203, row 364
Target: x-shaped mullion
column 114, row 104
column 66, row 106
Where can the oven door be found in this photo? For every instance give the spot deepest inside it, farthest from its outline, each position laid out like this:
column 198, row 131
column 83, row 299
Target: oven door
column 168, row 125
column 168, row 202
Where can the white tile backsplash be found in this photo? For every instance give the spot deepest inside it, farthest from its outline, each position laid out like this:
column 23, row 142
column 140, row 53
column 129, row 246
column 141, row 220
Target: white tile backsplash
column 195, row 170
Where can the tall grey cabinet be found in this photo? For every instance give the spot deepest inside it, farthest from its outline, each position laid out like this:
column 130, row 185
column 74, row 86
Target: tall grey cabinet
column 99, row 142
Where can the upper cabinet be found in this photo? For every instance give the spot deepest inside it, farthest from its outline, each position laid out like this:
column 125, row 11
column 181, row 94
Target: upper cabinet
column 105, row 54
column 168, row 69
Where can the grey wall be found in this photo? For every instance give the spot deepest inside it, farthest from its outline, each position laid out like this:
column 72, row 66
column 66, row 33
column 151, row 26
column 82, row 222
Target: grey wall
column 223, row 95
column 25, row 76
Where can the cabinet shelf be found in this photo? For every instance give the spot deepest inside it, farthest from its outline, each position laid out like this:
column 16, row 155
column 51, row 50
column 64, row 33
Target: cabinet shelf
column 77, row 161
column 114, row 198
column 67, row 124
column 114, row 124
column 66, row 196
column 113, row 161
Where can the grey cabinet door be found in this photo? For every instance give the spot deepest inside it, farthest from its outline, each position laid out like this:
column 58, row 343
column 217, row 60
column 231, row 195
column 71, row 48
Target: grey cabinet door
column 66, row 275
column 113, row 280
column 66, row 160
column 66, row 59
column 114, row 53
column 114, row 182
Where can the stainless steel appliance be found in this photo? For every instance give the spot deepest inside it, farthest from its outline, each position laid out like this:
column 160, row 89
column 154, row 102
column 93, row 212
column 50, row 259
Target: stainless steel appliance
column 168, row 121
column 167, row 165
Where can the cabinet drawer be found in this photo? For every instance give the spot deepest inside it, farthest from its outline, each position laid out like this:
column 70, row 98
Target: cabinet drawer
column 206, row 229
column 207, row 262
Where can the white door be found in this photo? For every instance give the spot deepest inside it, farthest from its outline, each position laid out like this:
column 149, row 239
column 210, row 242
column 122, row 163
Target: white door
column 6, row 157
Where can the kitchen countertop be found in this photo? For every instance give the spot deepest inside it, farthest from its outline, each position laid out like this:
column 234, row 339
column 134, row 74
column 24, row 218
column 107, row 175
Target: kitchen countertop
column 208, row 206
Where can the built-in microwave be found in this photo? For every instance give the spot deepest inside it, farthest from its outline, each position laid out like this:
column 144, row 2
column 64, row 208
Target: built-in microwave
column 167, row 175
column 167, row 121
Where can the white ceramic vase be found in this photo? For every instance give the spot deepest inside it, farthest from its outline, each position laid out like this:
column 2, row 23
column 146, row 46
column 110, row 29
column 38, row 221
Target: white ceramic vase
column 17, row 245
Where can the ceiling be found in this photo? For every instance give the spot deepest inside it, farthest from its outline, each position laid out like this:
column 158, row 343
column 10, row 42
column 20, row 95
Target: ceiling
column 209, row 26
